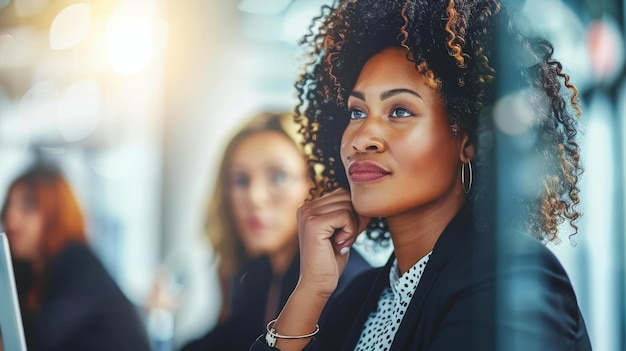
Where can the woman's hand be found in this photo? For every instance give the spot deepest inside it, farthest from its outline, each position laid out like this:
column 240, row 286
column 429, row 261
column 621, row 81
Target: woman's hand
column 328, row 226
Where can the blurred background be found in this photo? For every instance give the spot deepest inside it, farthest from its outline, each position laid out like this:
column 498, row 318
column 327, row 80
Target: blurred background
column 136, row 98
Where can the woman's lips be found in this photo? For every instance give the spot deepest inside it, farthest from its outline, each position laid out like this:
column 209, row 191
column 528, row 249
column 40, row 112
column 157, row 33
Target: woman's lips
column 366, row 171
column 256, row 224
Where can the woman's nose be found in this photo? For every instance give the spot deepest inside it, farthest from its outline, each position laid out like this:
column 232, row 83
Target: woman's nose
column 368, row 138
column 258, row 193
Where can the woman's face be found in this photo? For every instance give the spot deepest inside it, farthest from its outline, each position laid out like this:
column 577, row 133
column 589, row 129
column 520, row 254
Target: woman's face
column 268, row 181
column 23, row 223
column 399, row 151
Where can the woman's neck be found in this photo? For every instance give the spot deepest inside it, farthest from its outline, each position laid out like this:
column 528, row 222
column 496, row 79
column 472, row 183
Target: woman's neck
column 281, row 259
column 38, row 265
column 415, row 233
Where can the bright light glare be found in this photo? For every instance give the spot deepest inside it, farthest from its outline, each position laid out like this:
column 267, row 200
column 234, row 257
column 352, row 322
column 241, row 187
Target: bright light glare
column 130, row 44
column 29, row 7
column 70, row 26
column 77, row 114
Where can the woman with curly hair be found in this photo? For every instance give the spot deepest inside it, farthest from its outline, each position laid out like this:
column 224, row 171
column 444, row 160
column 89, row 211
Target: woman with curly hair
column 399, row 105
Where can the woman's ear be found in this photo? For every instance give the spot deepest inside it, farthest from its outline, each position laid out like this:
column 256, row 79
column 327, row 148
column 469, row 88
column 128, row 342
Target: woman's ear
column 468, row 150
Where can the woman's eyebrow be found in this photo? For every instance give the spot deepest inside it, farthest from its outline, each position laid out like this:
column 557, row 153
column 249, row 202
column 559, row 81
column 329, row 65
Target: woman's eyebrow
column 358, row 95
column 393, row 92
column 387, row 94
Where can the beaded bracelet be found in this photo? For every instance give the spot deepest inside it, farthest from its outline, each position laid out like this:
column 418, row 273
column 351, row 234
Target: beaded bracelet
column 270, row 337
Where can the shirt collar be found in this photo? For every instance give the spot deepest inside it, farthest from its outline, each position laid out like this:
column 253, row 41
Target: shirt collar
column 404, row 285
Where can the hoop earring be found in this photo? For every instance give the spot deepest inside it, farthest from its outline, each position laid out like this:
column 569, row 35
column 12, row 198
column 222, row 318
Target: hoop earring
column 467, row 187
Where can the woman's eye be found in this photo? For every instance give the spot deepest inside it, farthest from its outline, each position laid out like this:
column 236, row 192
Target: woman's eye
column 401, row 112
column 29, row 204
column 357, row 114
column 240, row 181
column 29, row 207
column 279, row 177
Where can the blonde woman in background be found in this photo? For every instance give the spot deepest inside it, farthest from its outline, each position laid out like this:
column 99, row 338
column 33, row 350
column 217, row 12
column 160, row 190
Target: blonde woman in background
column 262, row 180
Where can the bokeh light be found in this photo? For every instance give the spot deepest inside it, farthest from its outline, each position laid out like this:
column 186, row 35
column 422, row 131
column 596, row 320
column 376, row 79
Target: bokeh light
column 513, row 114
column 130, row 41
column 606, row 46
column 70, row 26
column 77, row 113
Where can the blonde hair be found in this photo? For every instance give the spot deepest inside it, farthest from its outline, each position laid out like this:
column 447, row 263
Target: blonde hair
column 220, row 223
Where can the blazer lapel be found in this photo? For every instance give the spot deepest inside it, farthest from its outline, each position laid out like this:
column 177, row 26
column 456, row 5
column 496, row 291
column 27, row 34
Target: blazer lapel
column 451, row 243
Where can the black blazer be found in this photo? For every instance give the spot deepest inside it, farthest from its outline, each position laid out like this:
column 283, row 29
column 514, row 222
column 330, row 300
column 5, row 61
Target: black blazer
column 82, row 308
column 478, row 292
column 250, row 293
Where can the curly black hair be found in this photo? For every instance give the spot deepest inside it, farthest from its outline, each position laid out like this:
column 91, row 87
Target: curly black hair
column 473, row 53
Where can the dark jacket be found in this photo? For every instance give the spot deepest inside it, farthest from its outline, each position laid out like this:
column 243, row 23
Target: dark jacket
column 82, row 308
column 249, row 302
column 477, row 292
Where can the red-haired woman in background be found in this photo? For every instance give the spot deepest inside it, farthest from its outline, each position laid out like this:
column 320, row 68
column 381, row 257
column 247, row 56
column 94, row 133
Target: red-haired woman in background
column 68, row 300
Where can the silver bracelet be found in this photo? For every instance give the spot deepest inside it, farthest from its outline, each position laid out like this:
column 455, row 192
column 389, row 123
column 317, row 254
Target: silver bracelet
column 270, row 337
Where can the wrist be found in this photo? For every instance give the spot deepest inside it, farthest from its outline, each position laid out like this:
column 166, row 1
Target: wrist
column 272, row 335
column 299, row 317
column 311, row 291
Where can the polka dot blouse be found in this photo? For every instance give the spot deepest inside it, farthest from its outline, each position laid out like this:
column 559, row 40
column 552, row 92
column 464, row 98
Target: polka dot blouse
column 382, row 324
